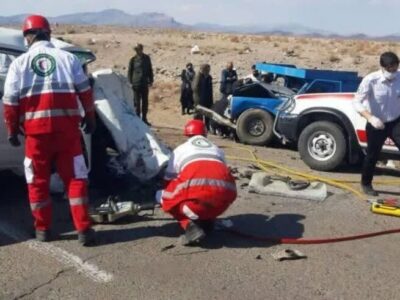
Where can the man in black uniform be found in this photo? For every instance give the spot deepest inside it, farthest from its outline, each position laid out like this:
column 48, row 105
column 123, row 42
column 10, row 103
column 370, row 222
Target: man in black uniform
column 140, row 75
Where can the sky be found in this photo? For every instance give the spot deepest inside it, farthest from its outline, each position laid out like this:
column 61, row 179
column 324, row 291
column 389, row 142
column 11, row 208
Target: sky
column 373, row 17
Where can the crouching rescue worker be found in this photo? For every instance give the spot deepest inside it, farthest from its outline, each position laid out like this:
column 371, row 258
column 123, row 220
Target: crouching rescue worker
column 41, row 95
column 199, row 185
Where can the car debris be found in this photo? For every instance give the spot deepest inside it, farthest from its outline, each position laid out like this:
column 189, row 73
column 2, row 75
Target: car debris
column 262, row 183
column 288, row 254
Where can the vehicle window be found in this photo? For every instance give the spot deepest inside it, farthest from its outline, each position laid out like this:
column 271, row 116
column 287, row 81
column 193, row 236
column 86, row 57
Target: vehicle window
column 84, row 57
column 324, row 87
column 295, row 84
column 254, row 91
column 5, row 61
column 6, row 58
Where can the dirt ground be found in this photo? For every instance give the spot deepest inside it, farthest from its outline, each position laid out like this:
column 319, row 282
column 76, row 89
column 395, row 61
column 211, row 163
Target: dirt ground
column 140, row 257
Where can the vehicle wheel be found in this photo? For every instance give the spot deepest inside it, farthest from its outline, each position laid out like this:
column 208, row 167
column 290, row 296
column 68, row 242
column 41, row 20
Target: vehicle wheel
column 254, row 127
column 322, row 145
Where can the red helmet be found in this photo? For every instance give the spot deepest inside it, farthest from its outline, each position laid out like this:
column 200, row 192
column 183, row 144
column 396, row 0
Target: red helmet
column 36, row 22
column 195, row 127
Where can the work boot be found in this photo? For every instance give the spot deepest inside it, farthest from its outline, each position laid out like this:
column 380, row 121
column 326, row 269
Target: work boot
column 369, row 190
column 206, row 225
column 193, row 235
column 183, row 111
column 147, row 122
column 87, row 237
column 43, row 235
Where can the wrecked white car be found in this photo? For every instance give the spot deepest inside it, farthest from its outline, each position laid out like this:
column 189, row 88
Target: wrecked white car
column 122, row 143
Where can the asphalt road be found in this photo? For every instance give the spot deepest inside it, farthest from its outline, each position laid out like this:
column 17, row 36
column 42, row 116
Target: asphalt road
column 140, row 257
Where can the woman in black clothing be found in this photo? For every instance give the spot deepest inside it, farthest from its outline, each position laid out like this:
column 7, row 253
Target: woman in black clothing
column 187, row 77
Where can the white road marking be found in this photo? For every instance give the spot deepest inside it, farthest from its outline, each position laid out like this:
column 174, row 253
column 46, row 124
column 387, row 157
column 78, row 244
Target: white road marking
column 69, row 260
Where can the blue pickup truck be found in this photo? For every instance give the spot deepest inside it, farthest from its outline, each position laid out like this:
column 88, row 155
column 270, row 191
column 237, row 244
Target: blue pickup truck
column 253, row 107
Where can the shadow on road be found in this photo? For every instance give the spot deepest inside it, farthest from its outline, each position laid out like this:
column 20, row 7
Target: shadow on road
column 275, row 227
column 283, row 225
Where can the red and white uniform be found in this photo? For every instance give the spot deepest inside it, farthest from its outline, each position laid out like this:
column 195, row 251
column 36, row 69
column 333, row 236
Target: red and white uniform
column 199, row 185
column 41, row 94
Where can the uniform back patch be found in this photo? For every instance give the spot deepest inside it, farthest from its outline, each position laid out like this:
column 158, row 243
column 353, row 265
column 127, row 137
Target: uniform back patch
column 201, row 143
column 43, row 64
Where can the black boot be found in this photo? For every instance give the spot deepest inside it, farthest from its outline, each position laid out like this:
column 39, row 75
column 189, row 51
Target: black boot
column 43, row 235
column 369, row 190
column 146, row 122
column 87, row 237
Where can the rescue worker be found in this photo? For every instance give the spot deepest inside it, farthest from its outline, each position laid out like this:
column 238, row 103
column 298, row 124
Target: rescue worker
column 199, row 186
column 377, row 100
column 41, row 95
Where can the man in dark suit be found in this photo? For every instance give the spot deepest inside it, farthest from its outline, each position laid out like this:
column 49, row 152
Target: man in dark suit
column 140, row 75
column 228, row 78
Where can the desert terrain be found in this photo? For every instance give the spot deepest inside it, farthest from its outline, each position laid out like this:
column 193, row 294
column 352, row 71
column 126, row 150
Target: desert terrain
column 140, row 257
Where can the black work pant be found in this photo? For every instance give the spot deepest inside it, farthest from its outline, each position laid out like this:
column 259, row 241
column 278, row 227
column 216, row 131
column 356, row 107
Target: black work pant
column 376, row 138
column 141, row 100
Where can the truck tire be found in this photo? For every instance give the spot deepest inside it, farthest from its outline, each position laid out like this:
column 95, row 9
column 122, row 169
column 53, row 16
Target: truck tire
column 254, row 127
column 322, row 145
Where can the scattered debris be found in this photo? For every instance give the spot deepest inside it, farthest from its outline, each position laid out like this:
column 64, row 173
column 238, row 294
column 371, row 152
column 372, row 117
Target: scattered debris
column 288, row 254
column 242, row 172
column 262, row 183
column 290, row 53
column 243, row 185
column 195, row 50
column 166, row 248
column 91, row 42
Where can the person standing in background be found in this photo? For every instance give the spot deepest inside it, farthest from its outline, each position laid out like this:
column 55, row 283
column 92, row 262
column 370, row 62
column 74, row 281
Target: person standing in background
column 187, row 77
column 228, row 78
column 140, row 75
column 203, row 91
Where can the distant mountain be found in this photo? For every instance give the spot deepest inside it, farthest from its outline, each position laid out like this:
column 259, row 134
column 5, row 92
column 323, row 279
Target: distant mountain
column 292, row 29
column 107, row 17
column 159, row 20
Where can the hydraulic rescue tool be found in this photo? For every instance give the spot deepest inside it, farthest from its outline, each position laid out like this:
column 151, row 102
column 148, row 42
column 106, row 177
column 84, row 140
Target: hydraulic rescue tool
column 113, row 209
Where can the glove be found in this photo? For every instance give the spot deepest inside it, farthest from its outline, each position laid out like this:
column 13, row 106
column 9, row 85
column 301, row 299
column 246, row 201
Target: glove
column 376, row 123
column 89, row 124
column 14, row 141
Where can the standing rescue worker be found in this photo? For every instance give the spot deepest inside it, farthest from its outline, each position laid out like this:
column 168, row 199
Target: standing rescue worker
column 199, row 185
column 378, row 101
column 41, row 94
